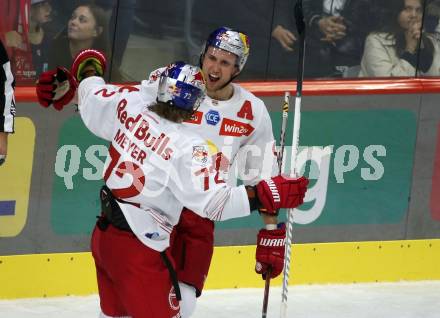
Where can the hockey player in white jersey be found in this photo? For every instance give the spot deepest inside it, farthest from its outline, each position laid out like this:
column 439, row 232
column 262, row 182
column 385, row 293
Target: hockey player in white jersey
column 156, row 166
column 235, row 124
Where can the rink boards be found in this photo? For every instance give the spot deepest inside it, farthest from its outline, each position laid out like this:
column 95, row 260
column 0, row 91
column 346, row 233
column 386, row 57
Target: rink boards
column 61, row 274
column 371, row 150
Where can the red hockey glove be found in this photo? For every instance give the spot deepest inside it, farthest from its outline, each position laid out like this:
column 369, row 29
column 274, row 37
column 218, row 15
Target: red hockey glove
column 56, row 87
column 88, row 63
column 281, row 192
column 59, row 86
column 270, row 251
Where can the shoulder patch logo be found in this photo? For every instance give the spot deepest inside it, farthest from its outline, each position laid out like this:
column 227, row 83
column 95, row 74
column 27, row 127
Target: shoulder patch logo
column 212, row 117
column 200, row 154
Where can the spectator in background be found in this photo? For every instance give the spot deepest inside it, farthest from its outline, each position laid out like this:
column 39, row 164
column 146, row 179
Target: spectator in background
column 120, row 27
column 9, row 33
column 398, row 47
column 249, row 16
column 86, row 28
column 27, row 42
column 7, row 102
column 283, row 24
column 40, row 41
column 283, row 57
column 432, row 17
column 61, row 13
column 336, row 31
column 14, row 31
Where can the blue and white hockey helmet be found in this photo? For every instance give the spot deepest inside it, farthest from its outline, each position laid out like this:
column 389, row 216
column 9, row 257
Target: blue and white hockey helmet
column 232, row 41
column 182, row 85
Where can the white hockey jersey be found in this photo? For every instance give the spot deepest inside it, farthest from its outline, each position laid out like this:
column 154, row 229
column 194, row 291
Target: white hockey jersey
column 238, row 133
column 157, row 165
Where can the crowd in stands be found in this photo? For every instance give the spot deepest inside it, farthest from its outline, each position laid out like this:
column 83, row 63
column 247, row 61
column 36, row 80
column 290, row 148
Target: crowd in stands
column 344, row 38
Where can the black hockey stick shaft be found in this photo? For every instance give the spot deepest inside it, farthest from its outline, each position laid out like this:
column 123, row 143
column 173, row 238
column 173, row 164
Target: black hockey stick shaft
column 266, row 292
column 300, row 26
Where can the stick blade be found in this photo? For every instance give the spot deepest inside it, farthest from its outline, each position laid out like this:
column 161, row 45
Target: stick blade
column 299, row 17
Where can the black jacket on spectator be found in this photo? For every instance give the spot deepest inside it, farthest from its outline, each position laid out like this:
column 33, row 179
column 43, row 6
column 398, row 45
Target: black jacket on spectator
column 283, row 64
column 323, row 58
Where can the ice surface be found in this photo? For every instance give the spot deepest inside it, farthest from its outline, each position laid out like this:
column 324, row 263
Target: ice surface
column 376, row 300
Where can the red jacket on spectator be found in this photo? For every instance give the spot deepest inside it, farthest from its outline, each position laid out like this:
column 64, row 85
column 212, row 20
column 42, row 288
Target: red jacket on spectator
column 17, row 20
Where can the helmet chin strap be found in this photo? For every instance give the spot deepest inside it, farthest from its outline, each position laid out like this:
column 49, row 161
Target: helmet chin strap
column 232, row 78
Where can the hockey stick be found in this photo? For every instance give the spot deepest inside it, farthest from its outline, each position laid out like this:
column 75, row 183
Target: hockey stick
column 266, row 292
column 280, row 153
column 300, row 26
column 280, row 170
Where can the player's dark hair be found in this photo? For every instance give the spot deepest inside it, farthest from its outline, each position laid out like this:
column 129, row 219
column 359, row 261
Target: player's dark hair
column 174, row 114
